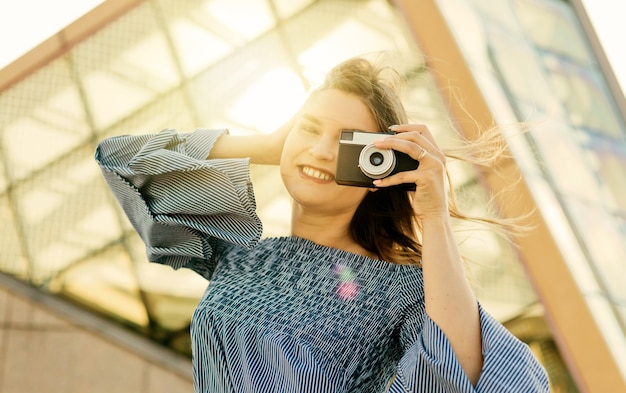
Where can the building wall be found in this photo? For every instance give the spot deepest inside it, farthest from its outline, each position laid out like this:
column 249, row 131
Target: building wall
column 51, row 346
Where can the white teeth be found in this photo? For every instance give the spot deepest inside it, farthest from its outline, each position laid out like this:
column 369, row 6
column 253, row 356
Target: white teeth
column 315, row 173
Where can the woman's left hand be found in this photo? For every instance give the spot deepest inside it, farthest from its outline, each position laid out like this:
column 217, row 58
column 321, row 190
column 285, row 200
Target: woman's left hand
column 430, row 197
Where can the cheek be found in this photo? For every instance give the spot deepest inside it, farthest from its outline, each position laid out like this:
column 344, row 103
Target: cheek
column 286, row 155
column 291, row 149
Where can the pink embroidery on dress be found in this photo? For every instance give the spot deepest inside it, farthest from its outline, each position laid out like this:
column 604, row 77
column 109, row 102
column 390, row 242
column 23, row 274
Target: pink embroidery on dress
column 347, row 289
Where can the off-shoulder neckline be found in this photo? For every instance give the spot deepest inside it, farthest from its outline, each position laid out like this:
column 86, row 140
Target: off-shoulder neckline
column 347, row 256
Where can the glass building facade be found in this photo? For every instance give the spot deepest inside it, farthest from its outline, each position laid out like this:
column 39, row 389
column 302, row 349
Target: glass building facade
column 541, row 63
column 246, row 65
column 541, row 76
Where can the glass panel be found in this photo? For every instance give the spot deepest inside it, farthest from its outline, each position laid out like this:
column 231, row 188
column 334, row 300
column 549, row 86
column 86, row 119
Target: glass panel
column 602, row 235
column 12, row 259
column 196, row 37
column 170, row 295
column 240, row 20
column 586, row 100
column 125, row 66
column 564, row 234
column 41, row 119
column 3, row 180
column 168, row 111
column 104, row 282
column 620, row 222
column 364, row 31
column 517, row 66
column 564, row 160
column 223, row 94
column 553, row 26
column 498, row 11
column 621, row 308
column 66, row 212
column 287, row 8
column 287, row 93
column 608, row 158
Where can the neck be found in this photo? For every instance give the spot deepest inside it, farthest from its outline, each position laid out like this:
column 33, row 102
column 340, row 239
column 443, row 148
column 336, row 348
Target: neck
column 326, row 229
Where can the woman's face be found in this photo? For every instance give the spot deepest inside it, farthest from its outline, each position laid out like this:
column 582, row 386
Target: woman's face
column 309, row 158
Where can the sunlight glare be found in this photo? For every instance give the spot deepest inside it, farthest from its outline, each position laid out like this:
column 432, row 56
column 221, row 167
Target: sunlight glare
column 269, row 101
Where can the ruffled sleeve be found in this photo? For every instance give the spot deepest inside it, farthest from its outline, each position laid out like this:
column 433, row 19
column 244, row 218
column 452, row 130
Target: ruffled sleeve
column 429, row 364
column 181, row 204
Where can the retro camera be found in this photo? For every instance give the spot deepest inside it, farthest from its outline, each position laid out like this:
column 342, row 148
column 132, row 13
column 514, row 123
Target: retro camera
column 359, row 162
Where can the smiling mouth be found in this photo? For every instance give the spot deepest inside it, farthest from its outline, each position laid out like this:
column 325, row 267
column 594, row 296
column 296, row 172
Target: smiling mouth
column 316, row 173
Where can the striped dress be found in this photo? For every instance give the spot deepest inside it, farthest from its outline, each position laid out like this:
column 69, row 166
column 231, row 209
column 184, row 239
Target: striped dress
column 285, row 314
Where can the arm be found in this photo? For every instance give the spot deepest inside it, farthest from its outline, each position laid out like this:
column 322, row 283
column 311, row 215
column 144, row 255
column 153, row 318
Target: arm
column 260, row 148
column 449, row 299
column 429, row 363
column 456, row 347
column 180, row 204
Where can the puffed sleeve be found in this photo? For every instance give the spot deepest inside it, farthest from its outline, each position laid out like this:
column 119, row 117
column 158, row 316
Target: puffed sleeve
column 429, row 364
column 181, row 204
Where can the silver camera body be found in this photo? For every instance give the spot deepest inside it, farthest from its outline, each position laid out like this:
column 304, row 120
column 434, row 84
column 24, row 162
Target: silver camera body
column 359, row 162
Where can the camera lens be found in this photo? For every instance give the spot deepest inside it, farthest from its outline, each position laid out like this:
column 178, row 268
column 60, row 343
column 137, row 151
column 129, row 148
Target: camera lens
column 376, row 163
column 376, row 159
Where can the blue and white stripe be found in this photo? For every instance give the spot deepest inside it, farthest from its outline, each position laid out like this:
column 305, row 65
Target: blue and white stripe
column 273, row 318
column 175, row 199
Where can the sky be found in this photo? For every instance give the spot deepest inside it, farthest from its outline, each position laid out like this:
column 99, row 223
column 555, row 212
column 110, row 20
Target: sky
column 25, row 24
column 607, row 17
column 22, row 29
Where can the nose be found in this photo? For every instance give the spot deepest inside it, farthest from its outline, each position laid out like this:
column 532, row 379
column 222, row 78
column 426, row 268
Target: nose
column 325, row 149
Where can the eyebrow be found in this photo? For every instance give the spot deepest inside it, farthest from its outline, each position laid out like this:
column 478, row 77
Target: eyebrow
column 312, row 119
column 317, row 122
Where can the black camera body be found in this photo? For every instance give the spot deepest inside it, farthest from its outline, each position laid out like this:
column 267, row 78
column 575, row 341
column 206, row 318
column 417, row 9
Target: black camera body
column 359, row 162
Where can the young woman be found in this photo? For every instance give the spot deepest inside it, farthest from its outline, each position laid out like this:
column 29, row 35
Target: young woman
column 367, row 294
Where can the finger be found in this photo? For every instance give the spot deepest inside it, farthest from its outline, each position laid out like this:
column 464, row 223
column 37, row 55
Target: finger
column 422, row 138
column 422, row 129
column 415, row 146
column 397, row 179
column 400, row 128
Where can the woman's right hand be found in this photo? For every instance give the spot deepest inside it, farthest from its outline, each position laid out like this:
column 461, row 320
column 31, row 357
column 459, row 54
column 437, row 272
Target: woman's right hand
column 260, row 148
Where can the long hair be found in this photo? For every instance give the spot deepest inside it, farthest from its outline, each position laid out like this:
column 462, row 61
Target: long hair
column 384, row 222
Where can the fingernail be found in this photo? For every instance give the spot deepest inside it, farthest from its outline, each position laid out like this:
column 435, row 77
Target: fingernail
column 377, row 182
column 393, row 127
